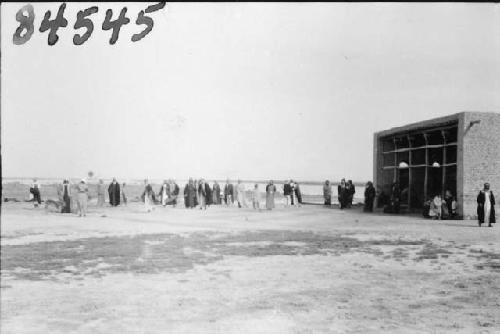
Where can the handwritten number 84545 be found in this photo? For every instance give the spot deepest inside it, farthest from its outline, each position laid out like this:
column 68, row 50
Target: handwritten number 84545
column 26, row 23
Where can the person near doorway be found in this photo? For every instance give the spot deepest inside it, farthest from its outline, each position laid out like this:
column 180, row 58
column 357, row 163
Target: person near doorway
column 486, row 206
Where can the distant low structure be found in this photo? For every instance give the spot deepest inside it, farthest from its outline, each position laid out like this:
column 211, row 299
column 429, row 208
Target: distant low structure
column 459, row 153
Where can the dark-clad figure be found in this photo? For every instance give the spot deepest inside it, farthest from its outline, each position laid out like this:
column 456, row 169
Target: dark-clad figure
column 216, row 193
column 35, row 192
column 270, row 191
column 228, row 193
column 351, row 190
column 66, row 197
column 486, row 206
column 114, row 193
column 190, row 194
column 327, row 193
column 370, row 194
column 287, row 192
column 342, row 193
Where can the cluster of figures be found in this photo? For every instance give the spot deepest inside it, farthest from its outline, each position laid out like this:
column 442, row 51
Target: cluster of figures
column 441, row 208
column 345, row 192
column 199, row 193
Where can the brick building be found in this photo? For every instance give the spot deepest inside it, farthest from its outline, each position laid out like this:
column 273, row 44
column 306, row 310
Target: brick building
column 459, row 153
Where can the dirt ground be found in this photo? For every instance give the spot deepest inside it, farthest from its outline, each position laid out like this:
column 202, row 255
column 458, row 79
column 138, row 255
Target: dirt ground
column 229, row 270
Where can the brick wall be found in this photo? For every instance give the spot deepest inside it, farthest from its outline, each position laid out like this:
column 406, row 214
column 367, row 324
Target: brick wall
column 480, row 159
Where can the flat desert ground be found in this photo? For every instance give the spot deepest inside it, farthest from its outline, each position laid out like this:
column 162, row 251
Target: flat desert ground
column 227, row 270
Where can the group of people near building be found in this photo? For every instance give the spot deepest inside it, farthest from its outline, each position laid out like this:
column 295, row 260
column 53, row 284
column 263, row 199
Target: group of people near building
column 345, row 192
column 198, row 193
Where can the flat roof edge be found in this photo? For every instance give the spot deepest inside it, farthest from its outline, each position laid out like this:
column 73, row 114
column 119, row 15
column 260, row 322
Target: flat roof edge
column 429, row 122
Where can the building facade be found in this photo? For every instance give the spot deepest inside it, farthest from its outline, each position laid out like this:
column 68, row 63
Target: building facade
column 458, row 153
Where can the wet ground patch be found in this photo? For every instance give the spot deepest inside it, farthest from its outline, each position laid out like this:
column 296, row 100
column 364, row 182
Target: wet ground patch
column 154, row 253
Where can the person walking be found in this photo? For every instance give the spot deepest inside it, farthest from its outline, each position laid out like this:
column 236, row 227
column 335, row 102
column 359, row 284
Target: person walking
column 369, row 197
column 101, row 199
column 270, row 191
column 82, row 197
column 486, row 206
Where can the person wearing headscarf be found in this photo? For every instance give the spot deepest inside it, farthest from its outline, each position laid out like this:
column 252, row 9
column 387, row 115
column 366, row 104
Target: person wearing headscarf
column 148, row 196
column 486, row 206
column 174, row 192
column 327, row 193
column 342, row 194
column 436, row 205
column 228, row 193
column 395, row 197
column 101, row 193
column 216, row 193
column 369, row 197
column 270, row 191
column 163, row 193
column 35, row 192
column 82, row 196
column 114, row 193
column 190, row 194
column 202, row 194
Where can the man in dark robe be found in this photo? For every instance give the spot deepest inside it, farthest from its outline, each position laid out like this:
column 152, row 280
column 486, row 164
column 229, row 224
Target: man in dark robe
column 369, row 197
column 342, row 193
column 351, row 190
column 174, row 192
column 486, row 206
column 190, row 194
column 114, row 193
column 216, row 193
column 395, row 198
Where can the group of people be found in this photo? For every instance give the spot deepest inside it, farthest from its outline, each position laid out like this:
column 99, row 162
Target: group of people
column 198, row 193
column 345, row 192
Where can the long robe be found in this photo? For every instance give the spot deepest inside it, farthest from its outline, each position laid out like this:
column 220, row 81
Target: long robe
column 229, row 193
column 483, row 208
column 270, row 191
column 114, row 194
column 190, row 196
column 66, row 198
column 163, row 195
column 100, row 194
column 216, row 194
column 327, row 194
column 369, row 198
column 241, row 195
column 342, row 193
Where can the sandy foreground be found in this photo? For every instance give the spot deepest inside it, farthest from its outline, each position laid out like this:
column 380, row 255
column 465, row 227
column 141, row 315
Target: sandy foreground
column 229, row 270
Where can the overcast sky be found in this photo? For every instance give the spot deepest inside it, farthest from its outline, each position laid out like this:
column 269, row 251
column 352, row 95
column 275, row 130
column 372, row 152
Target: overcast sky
column 239, row 90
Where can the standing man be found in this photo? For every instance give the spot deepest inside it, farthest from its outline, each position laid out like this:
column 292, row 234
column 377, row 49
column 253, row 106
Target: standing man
column 369, row 197
column 82, row 197
column 202, row 194
column 148, row 196
column 287, row 192
column 164, row 191
column 342, row 193
column 100, row 193
column 240, row 188
column 66, row 197
column 174, row 192
column 114, row 193
column 216, row 193
column 486, row 206
column 270, row 191
column 35, row 192
column 228, row 193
